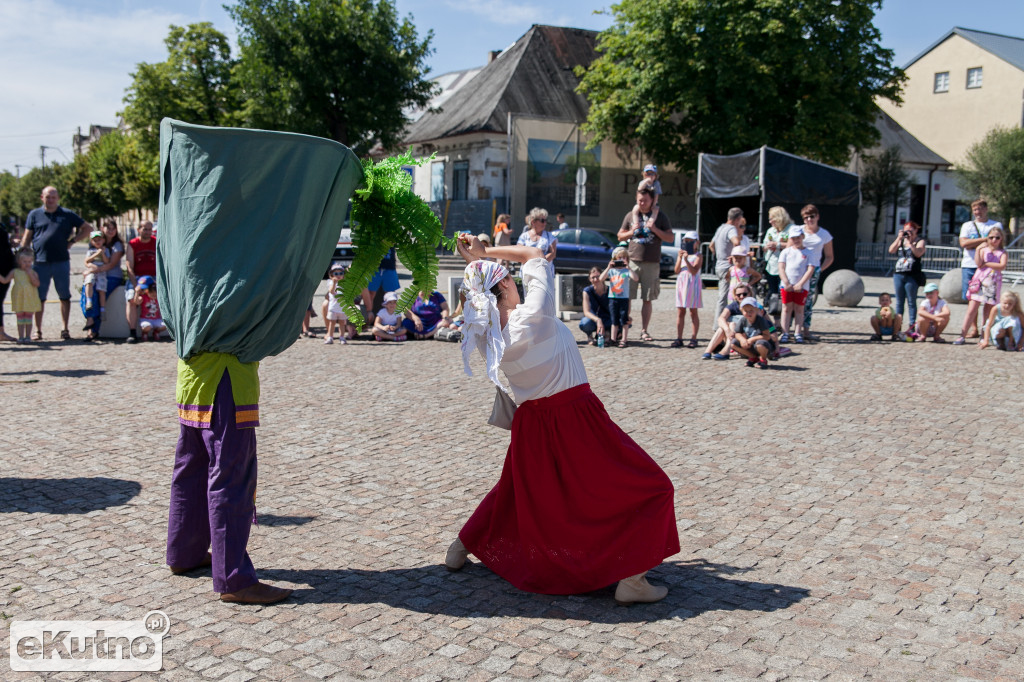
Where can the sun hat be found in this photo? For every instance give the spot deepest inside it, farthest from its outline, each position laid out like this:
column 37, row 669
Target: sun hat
column 928, row 288
column 796, row 231
column 749, row 300
column 692, row 234
column 390, row 296
column 740, row 251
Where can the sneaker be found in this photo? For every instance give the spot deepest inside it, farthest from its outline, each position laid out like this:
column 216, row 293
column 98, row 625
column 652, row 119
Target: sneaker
column 131, row 339
column 706, row 356
column 720, row 356
column 959, row 341
column 762, row 364
column 897, row 336
column 783, row 352
column 797, row 339
column 343, row 341
column 784, row 338
column 876, row 337
column 329, row 340
column 751, row 363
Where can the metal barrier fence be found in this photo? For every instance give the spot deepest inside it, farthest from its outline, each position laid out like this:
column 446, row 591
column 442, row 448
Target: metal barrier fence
column 937, row 260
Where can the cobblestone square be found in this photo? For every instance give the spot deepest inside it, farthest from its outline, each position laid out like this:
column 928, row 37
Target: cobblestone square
column 854, row 512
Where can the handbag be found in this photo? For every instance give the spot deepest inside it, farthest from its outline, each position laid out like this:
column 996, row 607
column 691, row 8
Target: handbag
column 503, row 411
column 974, row 286
column 905, row 264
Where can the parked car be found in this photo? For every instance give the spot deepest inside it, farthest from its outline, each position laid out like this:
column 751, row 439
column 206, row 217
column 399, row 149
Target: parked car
column 579, row 249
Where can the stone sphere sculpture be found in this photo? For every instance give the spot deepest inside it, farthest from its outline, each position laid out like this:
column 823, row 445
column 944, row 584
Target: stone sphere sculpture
column 843, row 288
column 949, row 287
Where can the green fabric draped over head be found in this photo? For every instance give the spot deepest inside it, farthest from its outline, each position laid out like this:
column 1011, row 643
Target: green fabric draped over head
column 248, row 221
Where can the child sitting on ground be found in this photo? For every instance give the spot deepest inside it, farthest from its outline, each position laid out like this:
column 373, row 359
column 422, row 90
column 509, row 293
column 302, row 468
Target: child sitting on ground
column 388, row 325
column 885, row 321
column 97, row 255
column 619, row 274
column 752, row 334
column 150, row 320
column 933, row 315
column 739, row 273
column 1005, row 324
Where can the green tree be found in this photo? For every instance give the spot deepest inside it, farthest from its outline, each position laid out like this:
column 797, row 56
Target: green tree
column 883, row 182
column 79, row 194
column 340, row 70
column 995, row 170
column 193, row 84
column 679, row 77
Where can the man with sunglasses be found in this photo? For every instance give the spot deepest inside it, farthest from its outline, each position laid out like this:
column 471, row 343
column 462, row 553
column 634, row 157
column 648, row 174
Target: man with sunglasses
column 973, row 234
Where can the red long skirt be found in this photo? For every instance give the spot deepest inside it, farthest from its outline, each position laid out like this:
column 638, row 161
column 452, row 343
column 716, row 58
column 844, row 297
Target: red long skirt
column 579, row 504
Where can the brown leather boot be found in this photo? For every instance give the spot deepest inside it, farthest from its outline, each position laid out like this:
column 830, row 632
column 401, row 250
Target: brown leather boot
column 635, row 588
column 257, row 593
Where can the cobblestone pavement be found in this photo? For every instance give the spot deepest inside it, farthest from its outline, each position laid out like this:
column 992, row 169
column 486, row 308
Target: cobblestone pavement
column 852, row 513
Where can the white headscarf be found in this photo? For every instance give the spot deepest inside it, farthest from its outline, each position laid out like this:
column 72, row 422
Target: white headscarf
column 482, row 327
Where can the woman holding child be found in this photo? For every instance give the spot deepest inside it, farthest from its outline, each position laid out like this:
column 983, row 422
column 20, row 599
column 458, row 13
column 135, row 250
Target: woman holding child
column 579, row 504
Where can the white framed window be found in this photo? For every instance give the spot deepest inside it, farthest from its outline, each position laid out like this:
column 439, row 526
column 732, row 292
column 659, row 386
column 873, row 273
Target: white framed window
column 974, row 77
column 942, row 82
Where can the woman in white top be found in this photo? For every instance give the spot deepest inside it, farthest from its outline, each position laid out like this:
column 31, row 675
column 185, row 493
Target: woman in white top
column 536, row 234
column 579, row 505
column 819, row 241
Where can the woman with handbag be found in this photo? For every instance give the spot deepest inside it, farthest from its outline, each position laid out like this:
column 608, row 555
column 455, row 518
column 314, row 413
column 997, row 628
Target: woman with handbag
column 987, row 282
column 908, row 276
column 579, row 504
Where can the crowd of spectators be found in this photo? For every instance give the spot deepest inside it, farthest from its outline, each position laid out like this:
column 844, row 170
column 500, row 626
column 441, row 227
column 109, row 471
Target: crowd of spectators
column 791, row 260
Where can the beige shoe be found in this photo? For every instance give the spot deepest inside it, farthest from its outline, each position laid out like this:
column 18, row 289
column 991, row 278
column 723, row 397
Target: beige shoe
column 456, row 556
column 635, row 588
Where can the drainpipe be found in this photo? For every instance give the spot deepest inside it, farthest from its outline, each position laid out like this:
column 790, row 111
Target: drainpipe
column 928, row 200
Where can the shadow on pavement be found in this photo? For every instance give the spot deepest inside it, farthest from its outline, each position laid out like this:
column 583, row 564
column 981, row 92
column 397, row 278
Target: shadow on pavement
column 70, row 373
column 275, row 520
column 64, row 495
column 474, row 592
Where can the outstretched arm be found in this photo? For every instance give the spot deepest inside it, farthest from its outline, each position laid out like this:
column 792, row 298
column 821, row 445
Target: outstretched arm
column 471, row 249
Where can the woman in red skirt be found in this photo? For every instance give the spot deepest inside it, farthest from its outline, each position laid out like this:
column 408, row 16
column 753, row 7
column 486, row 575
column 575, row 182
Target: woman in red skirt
column 579, row 505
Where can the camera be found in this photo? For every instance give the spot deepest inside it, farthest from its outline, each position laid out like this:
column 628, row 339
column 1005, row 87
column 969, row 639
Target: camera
column 618, row 263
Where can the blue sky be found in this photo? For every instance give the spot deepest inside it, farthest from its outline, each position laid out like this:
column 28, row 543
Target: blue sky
column 66, row 63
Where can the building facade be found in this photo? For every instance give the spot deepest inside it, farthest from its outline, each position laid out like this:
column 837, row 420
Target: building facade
column 964, row 85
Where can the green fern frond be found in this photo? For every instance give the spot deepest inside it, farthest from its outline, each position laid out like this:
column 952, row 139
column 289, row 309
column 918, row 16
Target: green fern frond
column 385, row 214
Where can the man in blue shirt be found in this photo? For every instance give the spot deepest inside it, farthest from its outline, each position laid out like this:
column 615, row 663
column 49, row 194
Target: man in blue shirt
column 51, row 229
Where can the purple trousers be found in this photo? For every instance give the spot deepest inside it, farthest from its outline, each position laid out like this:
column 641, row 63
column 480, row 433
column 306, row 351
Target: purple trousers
column 212, row 496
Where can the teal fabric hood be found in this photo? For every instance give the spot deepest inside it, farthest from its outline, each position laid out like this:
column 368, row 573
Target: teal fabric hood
column 248, row 221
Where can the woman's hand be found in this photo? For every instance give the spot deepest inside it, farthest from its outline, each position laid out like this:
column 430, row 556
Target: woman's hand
column 470, row 248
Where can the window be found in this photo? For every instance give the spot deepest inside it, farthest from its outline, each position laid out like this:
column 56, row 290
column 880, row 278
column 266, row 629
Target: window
column 974, row 78
column 942, row 82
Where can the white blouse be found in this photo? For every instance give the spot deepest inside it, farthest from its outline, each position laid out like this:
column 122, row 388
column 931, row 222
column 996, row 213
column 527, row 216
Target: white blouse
column 541, row 356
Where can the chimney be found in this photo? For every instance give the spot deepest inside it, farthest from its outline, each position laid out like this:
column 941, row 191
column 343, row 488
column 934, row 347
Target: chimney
column 492, row 55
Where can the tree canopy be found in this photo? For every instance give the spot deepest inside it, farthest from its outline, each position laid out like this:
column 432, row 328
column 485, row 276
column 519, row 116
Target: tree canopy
column 193, row 84
column 995, row 170
column 341, row 70
column 680, row 77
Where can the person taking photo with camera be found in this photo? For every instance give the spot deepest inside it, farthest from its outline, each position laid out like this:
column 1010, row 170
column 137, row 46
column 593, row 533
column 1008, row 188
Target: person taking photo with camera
column 907, row 276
